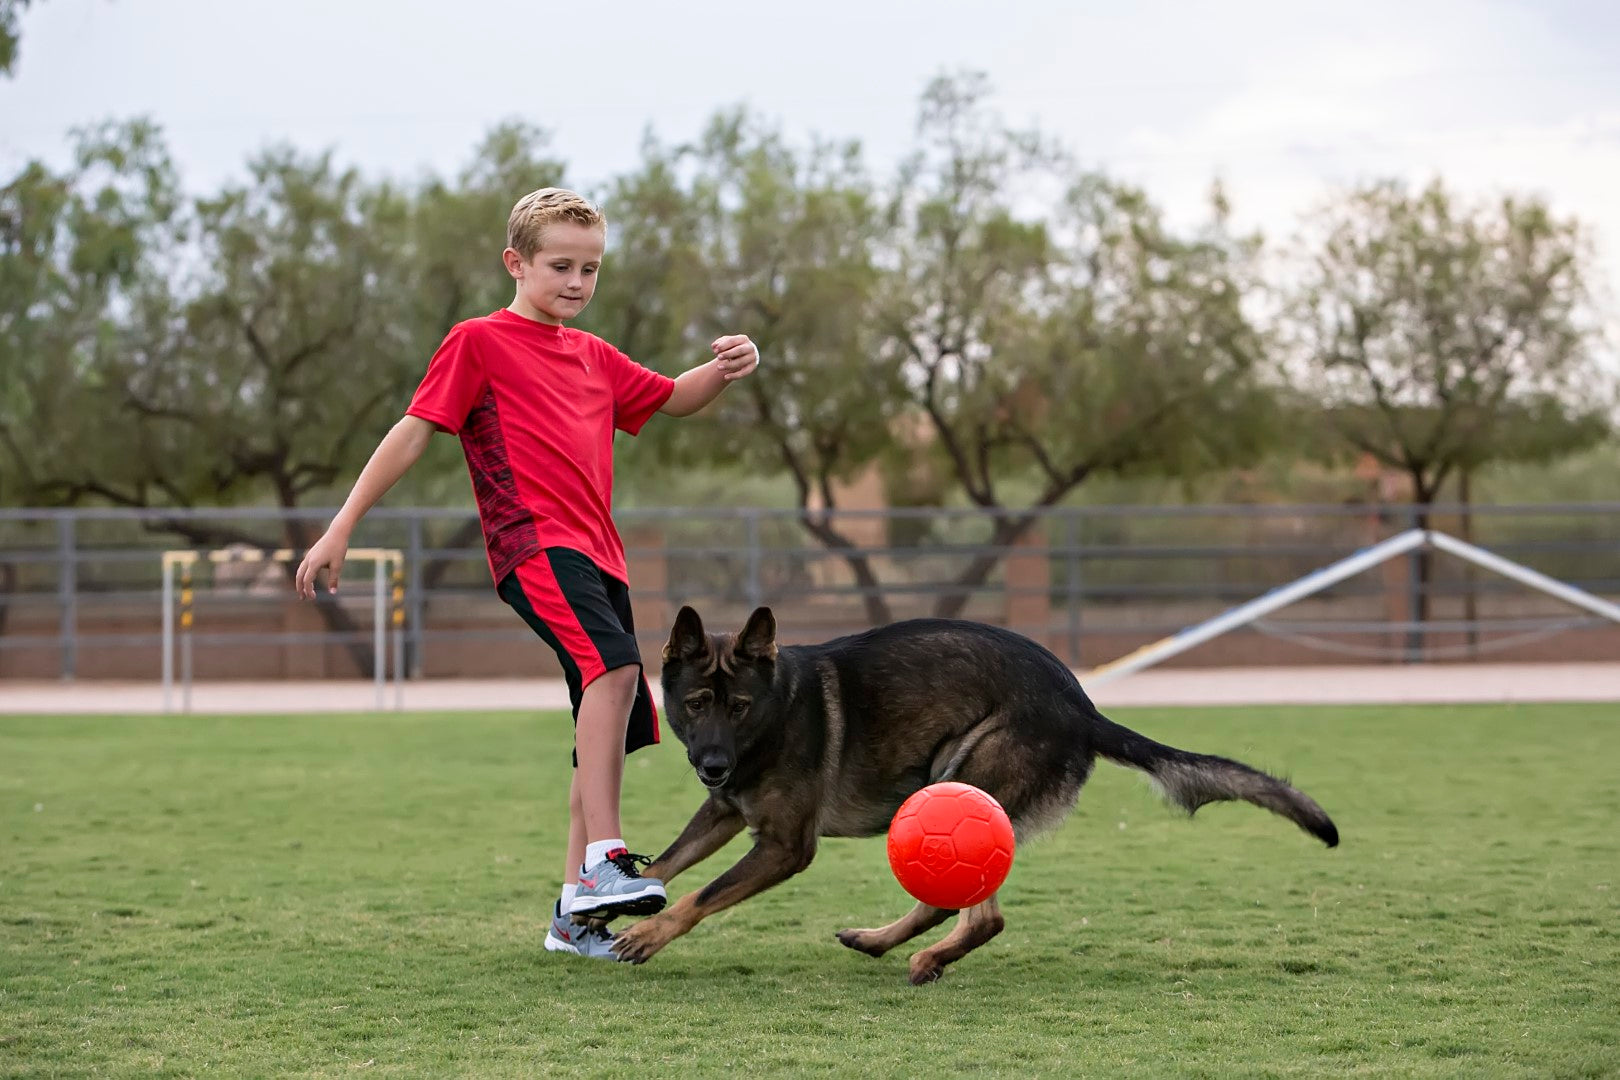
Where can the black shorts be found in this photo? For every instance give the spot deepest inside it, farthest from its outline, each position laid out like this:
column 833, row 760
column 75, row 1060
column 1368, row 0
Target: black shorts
column 584, row 615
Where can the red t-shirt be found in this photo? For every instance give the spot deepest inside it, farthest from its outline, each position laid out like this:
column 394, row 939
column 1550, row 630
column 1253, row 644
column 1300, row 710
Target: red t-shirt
column 536, row 406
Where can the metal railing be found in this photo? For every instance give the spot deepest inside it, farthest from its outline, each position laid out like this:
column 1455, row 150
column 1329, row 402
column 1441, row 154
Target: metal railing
column 80, row 589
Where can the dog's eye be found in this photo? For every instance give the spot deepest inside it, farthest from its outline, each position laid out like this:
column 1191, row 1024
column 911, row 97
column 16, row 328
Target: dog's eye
column 740, row 706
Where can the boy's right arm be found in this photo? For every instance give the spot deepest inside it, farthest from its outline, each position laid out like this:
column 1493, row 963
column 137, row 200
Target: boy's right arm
column 397, row 452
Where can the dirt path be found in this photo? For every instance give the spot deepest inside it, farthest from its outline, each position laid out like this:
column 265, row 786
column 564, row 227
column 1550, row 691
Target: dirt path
column 1225, row 686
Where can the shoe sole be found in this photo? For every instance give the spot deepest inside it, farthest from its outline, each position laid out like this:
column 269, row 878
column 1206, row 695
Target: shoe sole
column 646, row 902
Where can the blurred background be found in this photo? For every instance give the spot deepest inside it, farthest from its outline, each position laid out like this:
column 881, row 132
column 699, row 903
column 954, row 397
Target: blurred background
column 1089, row 320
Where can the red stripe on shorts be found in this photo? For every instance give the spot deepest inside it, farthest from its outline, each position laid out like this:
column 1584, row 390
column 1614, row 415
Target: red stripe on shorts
column 547, row 599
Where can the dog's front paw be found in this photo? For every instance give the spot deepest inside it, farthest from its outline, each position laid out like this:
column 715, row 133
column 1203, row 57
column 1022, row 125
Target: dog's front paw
column 640, row 942
column 865, row 941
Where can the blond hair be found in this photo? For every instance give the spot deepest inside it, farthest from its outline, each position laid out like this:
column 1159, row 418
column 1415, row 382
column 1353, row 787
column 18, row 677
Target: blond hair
column 525, row 229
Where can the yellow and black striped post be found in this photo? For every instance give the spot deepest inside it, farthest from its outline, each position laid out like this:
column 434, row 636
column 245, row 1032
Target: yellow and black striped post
column 185, row 635
column 397, row 618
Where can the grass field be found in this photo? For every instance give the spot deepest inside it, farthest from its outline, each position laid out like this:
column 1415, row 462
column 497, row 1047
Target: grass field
column 348, row 895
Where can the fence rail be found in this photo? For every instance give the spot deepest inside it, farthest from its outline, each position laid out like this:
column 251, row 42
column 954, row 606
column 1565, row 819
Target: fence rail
column 80, row 588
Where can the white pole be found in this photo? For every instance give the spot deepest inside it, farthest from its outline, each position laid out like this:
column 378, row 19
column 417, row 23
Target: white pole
column 1316, row 581
column 168, row 635
column 1525, row 576
column 379, row 628
column 399, row 669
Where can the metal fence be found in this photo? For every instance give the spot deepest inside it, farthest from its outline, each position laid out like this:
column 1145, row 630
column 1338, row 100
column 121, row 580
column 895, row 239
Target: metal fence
column 80, row 589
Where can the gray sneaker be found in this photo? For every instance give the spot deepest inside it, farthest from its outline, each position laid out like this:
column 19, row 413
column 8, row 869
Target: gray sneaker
column 615, row 887
column 564, row 936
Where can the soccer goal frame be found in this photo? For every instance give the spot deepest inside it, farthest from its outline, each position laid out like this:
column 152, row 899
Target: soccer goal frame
column 1316, row 581
column 388, row 611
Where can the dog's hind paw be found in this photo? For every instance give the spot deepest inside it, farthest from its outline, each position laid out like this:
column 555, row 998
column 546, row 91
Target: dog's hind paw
column 925, row 970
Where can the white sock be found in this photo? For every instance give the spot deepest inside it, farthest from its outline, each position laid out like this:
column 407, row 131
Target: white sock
column 568, row 894
column 595, row 853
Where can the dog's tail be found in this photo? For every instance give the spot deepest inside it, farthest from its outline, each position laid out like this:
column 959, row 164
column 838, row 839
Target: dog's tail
column 1191, row 780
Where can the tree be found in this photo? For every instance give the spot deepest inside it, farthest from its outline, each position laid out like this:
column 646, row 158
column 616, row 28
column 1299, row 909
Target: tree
column 1439, row 337
column 742, row 233
column 249, row 344
column 71, row 245
column 10, row 32
column 1086, row 340
column 254, row 344
column 1093, row 340
column 75, row 251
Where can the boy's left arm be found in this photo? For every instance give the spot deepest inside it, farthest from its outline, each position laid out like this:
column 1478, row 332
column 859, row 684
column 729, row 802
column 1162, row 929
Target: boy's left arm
column 734, row 357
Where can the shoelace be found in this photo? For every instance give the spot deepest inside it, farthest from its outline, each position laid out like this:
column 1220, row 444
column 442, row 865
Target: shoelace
column 628, row 864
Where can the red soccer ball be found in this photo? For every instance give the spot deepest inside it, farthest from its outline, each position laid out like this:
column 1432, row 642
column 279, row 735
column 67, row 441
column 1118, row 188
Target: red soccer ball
column 951, row 845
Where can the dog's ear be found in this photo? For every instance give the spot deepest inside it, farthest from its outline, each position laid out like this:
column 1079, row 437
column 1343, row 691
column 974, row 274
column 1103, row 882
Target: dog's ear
column 758, row 638
column 687, row 641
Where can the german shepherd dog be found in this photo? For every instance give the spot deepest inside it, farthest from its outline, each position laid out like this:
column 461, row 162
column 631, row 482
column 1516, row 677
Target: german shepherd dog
column 806, row 741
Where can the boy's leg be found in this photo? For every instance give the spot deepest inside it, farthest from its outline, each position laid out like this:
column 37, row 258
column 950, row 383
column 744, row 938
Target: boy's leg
column 620, row 887
column 604, row 713
column 576, row 837
column 609, row 882
column 576, row 846
column 583, row 615
column 565, row 935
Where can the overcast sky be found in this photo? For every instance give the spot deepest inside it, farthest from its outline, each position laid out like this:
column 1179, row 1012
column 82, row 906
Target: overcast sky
column 1280, row 98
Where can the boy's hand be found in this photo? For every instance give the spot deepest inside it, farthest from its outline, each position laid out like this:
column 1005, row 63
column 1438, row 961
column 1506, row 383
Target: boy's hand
column 326, row 554
column 737, row 355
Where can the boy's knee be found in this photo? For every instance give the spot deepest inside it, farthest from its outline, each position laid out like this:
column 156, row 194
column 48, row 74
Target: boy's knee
column 621, row 679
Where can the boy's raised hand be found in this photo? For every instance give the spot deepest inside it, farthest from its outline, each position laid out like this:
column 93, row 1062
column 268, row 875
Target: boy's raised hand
column 327, row 554
column 738, row 356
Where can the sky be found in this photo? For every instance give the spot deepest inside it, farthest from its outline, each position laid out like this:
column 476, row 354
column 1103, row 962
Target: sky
column 1283, row 100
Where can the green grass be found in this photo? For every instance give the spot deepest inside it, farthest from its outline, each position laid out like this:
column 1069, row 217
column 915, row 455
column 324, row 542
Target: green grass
column 347, row 895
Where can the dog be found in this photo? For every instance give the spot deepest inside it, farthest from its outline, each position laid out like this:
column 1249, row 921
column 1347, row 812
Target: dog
column 805, row 741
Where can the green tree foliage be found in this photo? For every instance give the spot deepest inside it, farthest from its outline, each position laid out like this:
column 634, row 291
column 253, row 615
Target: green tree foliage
column 1440, row 337
column 253, row 344
column 75, row 253
column 994, row 319
column 1085, row 338
column 742, row 233
column 10, row 32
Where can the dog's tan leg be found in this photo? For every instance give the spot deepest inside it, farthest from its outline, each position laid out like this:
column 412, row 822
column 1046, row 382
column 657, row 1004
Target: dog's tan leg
column 974, row 927
column 919, row 920
column 710, row 829
column 768, row 863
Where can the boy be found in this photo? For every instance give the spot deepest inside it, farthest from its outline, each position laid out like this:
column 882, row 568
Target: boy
column 536, row 405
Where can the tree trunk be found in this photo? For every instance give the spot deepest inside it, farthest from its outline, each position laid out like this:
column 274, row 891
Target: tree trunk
column 1007, row 531
column 8, row 585
column 872, row 598
column 1422, row 576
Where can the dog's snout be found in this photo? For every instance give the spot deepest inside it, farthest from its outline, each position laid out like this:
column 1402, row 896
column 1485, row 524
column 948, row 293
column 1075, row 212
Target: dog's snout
column 713, row 766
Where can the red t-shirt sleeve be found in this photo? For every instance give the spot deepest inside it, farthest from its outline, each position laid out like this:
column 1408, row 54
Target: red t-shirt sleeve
column 638, row 392
column 453, row 384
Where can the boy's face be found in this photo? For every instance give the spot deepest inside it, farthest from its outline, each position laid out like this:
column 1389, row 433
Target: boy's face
column 558, row 282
